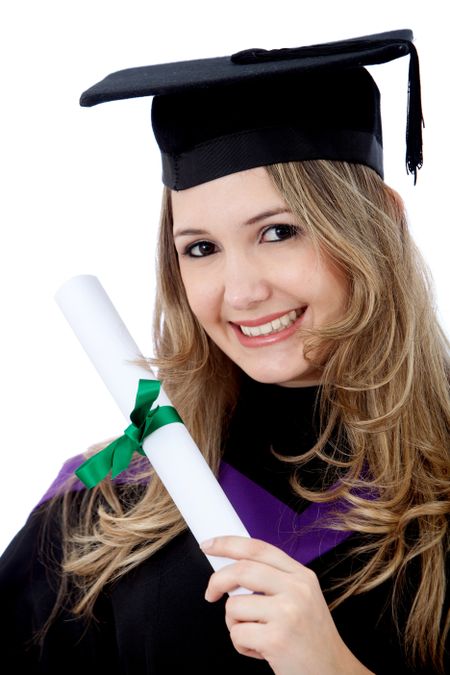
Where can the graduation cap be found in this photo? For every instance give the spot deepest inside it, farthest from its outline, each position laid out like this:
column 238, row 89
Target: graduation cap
column 212, row 117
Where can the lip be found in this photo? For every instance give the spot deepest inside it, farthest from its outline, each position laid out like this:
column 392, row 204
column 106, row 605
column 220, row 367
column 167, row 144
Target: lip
column 265, row 340
column 264, row 319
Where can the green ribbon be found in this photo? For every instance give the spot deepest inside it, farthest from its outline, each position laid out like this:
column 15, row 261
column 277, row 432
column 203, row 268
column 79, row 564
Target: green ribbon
column 116, row 457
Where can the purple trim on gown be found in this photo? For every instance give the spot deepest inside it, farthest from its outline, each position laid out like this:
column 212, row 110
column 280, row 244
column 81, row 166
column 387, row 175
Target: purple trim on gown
column 304, row 536
column 67, row 471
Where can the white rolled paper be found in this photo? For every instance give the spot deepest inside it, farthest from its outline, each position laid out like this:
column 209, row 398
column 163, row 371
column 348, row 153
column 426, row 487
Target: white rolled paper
column 171, row 450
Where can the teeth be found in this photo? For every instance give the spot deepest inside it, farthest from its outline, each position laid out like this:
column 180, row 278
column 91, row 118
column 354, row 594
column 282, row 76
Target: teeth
column 272, row 326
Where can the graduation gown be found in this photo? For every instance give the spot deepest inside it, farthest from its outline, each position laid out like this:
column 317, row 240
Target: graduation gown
column 154, row 619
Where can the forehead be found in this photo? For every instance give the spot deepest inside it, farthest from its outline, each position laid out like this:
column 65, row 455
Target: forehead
column 239, row 195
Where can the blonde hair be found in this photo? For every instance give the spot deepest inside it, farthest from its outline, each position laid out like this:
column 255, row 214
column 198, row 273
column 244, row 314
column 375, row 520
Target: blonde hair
column 385, row 402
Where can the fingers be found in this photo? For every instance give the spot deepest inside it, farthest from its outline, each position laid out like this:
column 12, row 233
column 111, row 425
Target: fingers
column 248, row 548
column 255, row 576
column 260, row 567
column 255, row 608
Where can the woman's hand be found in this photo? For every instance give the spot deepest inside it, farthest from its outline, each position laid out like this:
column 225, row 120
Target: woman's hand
column 287, row 621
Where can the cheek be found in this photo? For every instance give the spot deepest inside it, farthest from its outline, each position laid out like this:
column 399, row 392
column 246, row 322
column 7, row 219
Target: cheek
column 202, row 297
column 337, row 291
column 328, row 292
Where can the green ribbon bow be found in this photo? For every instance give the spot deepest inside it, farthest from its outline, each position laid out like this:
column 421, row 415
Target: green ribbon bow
column 144, row 420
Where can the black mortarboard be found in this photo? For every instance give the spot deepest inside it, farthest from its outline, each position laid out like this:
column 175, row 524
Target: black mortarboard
column 216, row 116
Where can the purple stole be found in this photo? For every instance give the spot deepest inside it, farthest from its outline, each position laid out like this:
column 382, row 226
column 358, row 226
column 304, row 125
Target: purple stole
column 304, row 536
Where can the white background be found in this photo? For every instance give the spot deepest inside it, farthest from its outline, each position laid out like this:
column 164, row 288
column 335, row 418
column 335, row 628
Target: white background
column 80, row 188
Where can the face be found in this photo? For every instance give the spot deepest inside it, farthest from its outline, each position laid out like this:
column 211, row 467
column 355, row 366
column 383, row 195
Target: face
column 252, row 275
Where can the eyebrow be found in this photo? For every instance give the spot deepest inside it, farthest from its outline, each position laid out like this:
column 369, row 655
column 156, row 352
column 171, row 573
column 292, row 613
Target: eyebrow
column 251, row 221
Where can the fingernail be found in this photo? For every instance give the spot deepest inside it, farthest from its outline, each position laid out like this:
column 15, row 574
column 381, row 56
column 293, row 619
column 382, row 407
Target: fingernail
column 207, row 544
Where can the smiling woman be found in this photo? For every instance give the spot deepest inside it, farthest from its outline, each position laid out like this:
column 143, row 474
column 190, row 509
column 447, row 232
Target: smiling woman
column 294, row 331
column 255, row 282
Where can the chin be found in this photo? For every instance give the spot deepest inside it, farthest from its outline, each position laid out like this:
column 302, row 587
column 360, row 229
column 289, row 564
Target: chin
column 307, row 378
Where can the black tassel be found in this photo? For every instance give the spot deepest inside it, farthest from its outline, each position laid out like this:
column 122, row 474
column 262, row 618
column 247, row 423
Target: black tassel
column 414, row 123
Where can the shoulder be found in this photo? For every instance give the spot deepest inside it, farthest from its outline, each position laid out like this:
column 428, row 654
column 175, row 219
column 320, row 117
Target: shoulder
column 65, row 481
column 28, row 582
column 30, row 545
column 66, row 497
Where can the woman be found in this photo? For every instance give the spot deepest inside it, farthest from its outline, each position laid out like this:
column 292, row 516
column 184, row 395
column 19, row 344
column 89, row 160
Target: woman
column 296, row 336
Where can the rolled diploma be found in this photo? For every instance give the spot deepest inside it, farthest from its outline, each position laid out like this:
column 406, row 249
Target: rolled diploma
column 171, row 450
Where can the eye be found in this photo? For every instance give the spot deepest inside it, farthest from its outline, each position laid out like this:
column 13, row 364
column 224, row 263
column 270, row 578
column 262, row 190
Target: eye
column 200, row 249
column 280, row 232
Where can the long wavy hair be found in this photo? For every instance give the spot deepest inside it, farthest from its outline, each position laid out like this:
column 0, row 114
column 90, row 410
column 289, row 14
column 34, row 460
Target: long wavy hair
column 384, row 403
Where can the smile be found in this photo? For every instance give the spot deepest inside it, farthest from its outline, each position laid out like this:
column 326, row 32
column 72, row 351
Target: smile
column 275, row 326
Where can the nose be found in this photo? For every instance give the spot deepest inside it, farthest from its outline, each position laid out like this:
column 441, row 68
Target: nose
column 246, row 283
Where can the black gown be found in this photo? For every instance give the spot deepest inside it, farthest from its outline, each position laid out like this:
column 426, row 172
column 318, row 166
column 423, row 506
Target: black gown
column 154, row 619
